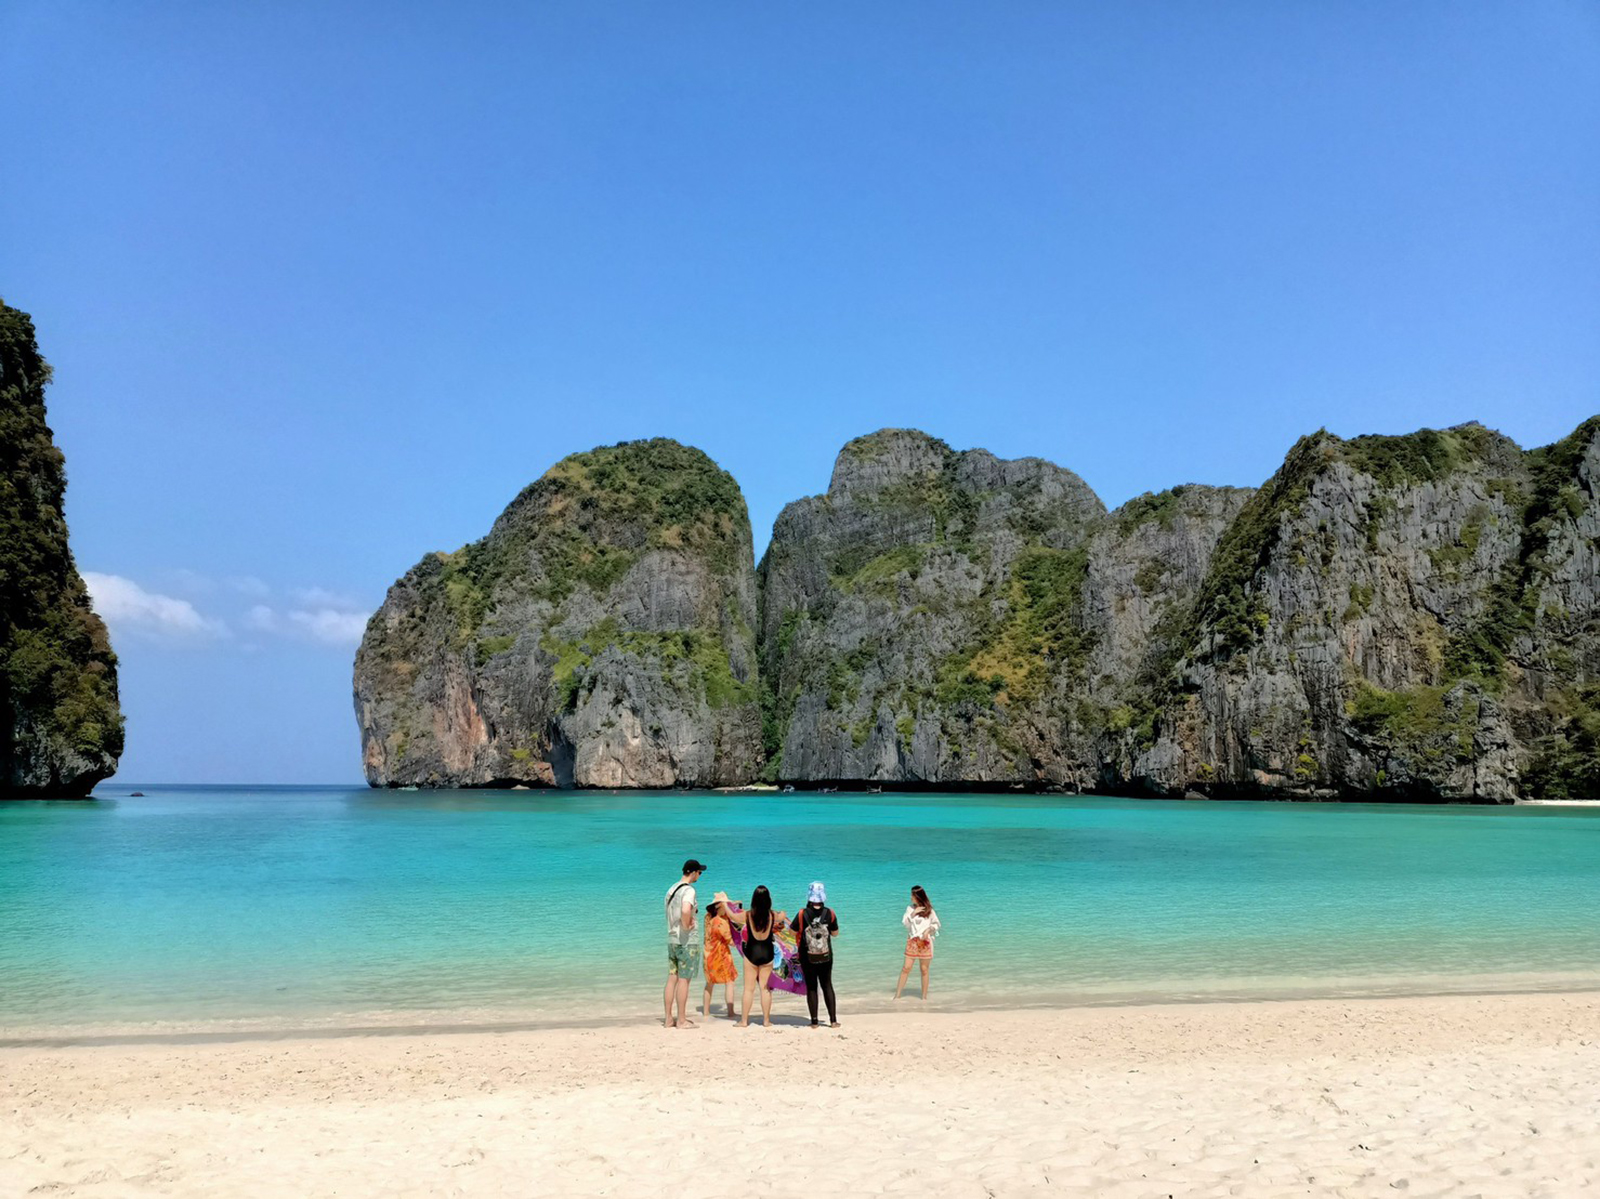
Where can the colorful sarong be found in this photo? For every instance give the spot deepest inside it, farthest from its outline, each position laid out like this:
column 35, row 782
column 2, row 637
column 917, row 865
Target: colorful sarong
column 786, row 974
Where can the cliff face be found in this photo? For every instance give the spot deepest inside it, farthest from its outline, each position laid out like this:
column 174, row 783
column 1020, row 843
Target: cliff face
column 1407, row 617
column 60, row 724
column 919, row 620
column 601, row 635
column 1413, row 616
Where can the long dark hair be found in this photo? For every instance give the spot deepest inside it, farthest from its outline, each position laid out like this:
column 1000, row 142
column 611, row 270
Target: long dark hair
column 760, row 909
column 921, row 896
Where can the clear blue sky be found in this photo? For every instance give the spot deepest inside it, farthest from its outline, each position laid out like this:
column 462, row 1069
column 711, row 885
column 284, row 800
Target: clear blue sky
column 326, row 284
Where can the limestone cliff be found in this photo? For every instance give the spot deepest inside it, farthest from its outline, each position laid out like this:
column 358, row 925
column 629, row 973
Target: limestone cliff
column 60, row 723
column 920, row 621
column 601, row 635
column 1407, row 617
column 1417, row 617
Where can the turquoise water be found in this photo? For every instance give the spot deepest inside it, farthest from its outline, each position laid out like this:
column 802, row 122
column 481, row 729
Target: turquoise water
column 294, row 907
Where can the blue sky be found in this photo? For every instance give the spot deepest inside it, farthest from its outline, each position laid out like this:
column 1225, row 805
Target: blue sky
column 325, row 285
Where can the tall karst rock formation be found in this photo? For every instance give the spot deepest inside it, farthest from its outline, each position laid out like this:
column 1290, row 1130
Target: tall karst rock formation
column 601, row 635
column 60, row 724
column 1405, row 617
column 955, row 619
column 1408, row 617
column 1414, row 616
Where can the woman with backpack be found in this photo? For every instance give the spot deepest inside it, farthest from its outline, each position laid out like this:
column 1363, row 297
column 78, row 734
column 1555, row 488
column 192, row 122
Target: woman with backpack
column 817, row 925
column 922, row 926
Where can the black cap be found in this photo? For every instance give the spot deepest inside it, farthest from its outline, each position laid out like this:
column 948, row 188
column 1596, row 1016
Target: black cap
column 691, row 866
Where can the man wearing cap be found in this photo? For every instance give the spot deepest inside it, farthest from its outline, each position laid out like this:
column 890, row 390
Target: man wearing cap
column 683, row 945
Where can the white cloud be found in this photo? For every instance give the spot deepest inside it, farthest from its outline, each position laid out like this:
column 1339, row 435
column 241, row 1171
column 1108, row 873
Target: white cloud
column 321, row 597
column 247, row 585
column 128, row 607
column 191, row 581
column 320, row 616
column 261, row 618
column 330, row 625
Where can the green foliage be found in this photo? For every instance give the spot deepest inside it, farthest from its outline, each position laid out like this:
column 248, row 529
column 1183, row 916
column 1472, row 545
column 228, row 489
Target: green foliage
column 1306, row 767
column 878, row 575
column 588, row 520
column 958, row 685
column 1419, row 457
column 1480, row 651
column 906, row 726
column 1160, row 507
column 1450, row 558
column 58, row 690
column 689, row 656
column 861, row 730
column 490, row 646
column 1415, row 722
column 1149, row 575
column 1039, row 635
column 774, row 721
column 844, row 675
column 953, row 506
column 1566, row 763
column 1378, row 509
column 1226, row 605
column 786, row 631
column 1361, row 595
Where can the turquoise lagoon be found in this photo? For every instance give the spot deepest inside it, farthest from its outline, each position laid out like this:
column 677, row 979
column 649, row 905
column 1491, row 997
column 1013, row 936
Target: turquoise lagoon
column 280, row 908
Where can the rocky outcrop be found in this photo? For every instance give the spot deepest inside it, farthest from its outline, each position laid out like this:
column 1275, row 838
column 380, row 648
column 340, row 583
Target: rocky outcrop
column 1413, row 617
column 601, row 635
column 1408, row 617
column 920, row 621
column 60, row 723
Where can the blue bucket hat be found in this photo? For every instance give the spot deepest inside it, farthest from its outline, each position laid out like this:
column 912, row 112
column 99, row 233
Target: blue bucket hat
column 817, row 894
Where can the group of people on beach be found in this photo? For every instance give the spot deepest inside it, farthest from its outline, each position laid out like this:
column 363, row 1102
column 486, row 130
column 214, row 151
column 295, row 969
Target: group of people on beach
column 815, row 926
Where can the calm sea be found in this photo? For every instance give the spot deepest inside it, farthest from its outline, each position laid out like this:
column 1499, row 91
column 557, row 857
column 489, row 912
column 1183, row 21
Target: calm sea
column 276, row 907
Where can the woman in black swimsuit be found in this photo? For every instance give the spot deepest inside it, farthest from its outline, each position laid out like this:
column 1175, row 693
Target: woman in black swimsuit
column 759, row 926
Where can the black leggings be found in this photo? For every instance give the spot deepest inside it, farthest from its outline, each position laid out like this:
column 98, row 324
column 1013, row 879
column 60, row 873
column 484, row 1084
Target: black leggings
column 819, row 974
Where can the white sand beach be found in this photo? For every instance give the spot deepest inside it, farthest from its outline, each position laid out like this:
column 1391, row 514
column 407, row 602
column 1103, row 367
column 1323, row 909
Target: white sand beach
column 1460, row 1096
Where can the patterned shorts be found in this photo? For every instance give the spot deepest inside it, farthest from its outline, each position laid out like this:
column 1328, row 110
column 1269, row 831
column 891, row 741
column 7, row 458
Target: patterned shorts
column 683, row 961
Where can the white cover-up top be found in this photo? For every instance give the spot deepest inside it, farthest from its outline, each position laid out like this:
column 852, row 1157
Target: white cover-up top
column 919, row 926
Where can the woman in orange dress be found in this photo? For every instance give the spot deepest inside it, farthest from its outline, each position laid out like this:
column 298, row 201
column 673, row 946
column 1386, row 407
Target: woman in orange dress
column 719, row 963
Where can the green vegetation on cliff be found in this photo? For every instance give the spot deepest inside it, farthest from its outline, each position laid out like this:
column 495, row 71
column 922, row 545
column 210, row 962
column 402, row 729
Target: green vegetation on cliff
column 1038, row 638
column 687, row 657
column 1227, row 610
column 1420, row 457
column 1566, row 762
column 60, row 725
column 596, row 513
column 618, row 581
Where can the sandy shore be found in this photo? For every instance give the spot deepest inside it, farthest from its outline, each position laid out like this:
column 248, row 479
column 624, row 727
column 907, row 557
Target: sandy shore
column 1492, row 1096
